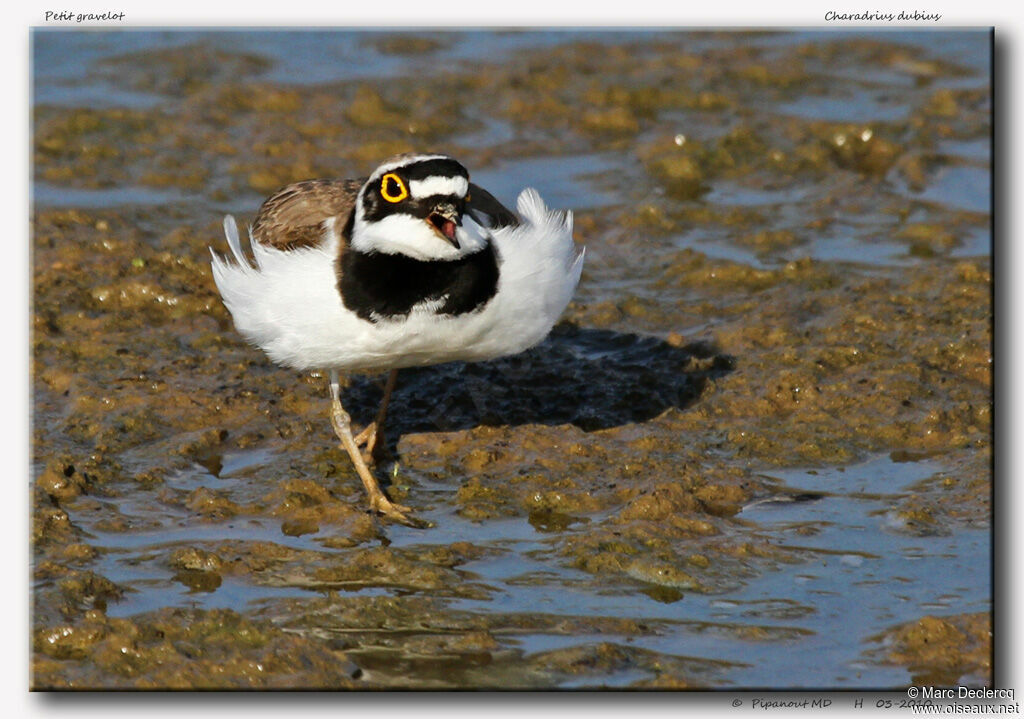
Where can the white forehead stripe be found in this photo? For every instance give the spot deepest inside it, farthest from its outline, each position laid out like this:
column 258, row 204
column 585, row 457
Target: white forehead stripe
column 405, row 161
column 438, row 185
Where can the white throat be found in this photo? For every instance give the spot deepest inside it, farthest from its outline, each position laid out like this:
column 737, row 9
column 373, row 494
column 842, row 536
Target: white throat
column 402, row 234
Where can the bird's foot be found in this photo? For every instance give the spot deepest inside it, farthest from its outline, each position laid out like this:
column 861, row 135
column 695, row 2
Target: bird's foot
column 392, row 510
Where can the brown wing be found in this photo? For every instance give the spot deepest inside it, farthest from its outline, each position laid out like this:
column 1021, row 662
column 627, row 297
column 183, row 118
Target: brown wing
column 293, row 216
column 483, row 201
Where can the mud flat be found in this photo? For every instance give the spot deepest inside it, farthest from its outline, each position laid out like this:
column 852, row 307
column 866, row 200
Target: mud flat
column 756, row 453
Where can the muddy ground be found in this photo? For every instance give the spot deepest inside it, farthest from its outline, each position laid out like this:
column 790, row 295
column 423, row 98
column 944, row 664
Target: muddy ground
column 770, row 289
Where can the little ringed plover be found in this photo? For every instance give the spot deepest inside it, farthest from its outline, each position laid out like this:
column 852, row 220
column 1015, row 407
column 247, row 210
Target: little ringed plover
column 412, row 266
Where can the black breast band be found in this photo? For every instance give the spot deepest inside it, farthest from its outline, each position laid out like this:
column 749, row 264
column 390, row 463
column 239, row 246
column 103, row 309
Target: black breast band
column 377, row 285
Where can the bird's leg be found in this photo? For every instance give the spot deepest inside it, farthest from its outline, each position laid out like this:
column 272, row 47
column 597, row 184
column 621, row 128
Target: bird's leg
column 342, row 427
column 373, row 434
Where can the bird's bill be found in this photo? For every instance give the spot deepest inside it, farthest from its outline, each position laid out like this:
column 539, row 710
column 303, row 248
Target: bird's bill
column 445, row 220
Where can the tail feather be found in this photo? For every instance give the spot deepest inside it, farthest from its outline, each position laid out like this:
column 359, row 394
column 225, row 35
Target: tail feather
column 535, row 212
column 531, row 206
column 231, row 233
column 577, row 262
column 235, row 243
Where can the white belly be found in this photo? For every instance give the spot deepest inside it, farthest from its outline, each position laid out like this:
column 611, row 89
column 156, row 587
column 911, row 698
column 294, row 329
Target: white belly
column 290, row 307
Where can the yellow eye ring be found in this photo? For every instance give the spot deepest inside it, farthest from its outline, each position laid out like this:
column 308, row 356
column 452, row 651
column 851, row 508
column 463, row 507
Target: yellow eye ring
column 392, row 188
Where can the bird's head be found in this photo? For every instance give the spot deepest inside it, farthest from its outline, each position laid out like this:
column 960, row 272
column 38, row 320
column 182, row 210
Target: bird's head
column 416, row 205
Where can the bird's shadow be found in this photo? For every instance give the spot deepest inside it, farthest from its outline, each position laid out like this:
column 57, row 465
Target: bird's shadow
column 594, row 379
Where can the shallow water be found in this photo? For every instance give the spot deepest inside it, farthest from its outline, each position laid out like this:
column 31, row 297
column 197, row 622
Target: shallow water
column 861, row 570
column 757, row 452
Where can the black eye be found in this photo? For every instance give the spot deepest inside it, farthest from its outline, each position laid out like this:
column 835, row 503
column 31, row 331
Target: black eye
column 392, row 188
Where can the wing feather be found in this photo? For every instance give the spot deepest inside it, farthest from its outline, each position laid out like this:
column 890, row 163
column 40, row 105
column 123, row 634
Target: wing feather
column 294, row 215
column 483, row 201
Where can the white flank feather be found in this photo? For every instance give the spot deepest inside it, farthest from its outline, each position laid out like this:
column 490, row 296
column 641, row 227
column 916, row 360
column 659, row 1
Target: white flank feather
column 289, row 305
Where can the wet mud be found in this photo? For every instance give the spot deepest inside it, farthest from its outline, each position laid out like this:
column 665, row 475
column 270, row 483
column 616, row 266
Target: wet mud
column 755, row 453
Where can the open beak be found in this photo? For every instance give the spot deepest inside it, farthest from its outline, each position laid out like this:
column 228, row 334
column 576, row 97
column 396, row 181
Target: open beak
column 445, row 218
